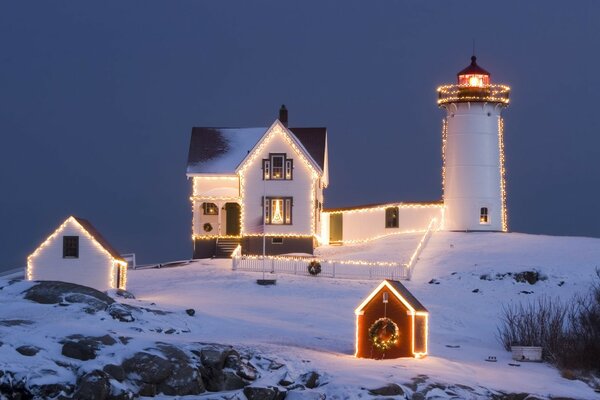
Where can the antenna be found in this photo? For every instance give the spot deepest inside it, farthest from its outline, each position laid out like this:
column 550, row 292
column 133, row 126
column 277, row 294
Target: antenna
column 473, row 47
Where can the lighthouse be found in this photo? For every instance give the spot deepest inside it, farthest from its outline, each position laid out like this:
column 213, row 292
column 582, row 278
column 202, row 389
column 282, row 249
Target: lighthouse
column 473, row 175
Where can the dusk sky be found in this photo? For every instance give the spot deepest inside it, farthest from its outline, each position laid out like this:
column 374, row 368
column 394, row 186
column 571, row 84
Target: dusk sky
column 97, row 102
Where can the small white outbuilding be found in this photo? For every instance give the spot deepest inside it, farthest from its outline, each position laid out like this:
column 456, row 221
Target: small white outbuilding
column 76, row 252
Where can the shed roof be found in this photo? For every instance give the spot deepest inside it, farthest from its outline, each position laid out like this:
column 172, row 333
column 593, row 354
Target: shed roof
column 91, row 229
column 221, row 150
column 400, row 291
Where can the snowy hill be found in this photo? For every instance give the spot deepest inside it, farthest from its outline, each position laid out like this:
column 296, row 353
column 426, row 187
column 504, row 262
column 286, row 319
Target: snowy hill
column 308, row 323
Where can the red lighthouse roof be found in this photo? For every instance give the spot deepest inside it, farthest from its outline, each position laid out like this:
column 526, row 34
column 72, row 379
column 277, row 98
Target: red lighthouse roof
column 473, row 75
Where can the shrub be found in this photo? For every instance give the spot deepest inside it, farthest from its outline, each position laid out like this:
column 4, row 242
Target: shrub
column 536, row 323
column 569, row 334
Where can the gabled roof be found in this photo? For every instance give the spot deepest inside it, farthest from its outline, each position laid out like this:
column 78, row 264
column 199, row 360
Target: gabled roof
column 91, row 229
column 221, row 150
column 400, row 292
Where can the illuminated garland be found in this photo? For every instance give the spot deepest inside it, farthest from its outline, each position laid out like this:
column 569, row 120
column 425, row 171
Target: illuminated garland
column 384, row 333
column 502, row 175
column 384, row 206
column 322, row 260
column 487, row 93
column 444, row 144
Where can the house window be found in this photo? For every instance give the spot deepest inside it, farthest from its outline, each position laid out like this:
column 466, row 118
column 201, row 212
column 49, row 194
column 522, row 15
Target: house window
column 391, row 217
column 483, row 216
column 278, row 167
column 70, row 246
column 278, row 210
column 210, row 209
column 277, row 240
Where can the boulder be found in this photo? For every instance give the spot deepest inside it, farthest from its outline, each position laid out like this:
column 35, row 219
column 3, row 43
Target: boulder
column 247, row 371
column 184, row 379
column 124, row 293
column 28, row 351
column 94, row 385
column 55, row 292
column 149, row 367
column 388, row 390
column 263, row 393
column 310, row 379
column 215, row 356
column 121, row 312
column 115, row 371
column 191, row 312
column 79, row 350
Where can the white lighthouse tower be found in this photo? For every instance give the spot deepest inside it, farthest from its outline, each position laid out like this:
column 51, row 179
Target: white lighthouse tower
column 473, row 152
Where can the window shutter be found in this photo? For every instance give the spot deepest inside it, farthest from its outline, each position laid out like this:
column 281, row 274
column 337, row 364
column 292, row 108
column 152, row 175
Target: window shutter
column 289, row 167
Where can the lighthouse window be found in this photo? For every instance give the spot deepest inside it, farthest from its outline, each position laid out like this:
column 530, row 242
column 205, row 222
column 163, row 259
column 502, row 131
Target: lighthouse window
column 483, row 216
column 391, row 217
column 278, row 211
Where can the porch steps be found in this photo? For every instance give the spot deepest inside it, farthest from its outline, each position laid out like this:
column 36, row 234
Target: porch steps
column 225, row 247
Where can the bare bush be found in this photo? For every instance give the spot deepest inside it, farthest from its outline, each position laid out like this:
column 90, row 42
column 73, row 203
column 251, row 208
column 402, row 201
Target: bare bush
column 568, row 333
column 536, row 323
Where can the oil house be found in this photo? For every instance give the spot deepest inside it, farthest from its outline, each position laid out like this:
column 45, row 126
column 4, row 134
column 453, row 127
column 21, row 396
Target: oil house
column 391, row 323
column 76, row 252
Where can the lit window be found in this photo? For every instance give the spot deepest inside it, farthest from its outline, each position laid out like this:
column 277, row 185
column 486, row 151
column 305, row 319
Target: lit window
column 278, row 211
column 210, row 209
column 278, row 167
column 483, row 216
column 391, row 217
column 70, row 246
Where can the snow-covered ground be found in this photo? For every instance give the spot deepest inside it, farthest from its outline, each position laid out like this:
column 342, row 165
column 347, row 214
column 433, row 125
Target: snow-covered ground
column 312, row 318
column 309, row 323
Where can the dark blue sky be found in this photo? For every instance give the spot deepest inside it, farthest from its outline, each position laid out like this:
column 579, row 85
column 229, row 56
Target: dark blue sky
column 97, row 101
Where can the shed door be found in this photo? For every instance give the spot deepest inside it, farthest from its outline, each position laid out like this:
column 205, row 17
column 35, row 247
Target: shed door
column 336, row 225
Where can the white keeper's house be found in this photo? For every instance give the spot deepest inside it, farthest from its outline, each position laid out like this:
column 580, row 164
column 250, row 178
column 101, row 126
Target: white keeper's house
column 250, row 184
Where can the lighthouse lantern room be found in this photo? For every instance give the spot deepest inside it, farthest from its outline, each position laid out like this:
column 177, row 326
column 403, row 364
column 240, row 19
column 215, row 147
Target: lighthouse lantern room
column 473, row 152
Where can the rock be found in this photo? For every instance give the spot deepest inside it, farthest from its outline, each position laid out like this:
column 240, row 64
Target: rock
column 184, row 379
column 93, row 386
column 530, row 277
column 475, row 290
column 388, row 390
column 28, row 351
column 215, row 357
column 92, row 305
column 54, row 292
column 191, row 312
column 121, row 393
column 150, row 368
column 418, row 396
column 275, row 365
column 15, row 322
column 124, row 293
column 106, row 340
column 121, row 312
column 147, row 390
column 263, row 393
column 82, row 350
column 287, row 380
column 310, row 379
column 233, row 382
column 247, row 371
column 305, row 395
column 115, row 371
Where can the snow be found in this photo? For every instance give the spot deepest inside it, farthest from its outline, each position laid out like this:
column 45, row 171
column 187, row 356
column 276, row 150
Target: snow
column 239, row 142
column 309, row 324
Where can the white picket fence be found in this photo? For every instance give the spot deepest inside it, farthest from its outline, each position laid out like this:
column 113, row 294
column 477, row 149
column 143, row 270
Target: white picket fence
column 329, row 268
column 354, row 269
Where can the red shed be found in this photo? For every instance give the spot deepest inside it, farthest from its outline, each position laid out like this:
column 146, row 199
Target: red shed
column 391, row 323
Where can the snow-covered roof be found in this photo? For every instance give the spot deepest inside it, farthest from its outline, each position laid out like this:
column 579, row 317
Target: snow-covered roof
column 221, row 150
column 91, row 229
column 400, row 291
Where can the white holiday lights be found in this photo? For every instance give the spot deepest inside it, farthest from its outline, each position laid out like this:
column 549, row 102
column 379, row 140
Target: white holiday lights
column 502, row 175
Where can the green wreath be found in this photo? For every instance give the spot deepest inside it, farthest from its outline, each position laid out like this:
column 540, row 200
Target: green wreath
column 207, row 227
column 314, row 268
column 384, row 333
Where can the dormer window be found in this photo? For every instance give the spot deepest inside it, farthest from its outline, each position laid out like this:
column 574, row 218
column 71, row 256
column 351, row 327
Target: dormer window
column 278, row 167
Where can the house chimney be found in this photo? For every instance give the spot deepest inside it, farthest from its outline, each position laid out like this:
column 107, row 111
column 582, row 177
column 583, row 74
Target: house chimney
column 283, row 115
